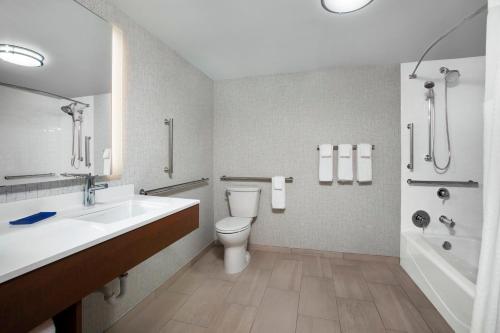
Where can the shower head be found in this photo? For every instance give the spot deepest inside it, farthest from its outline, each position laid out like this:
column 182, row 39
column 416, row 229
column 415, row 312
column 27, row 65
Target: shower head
column 69, row 109
column 429, row 84
column 451, row 76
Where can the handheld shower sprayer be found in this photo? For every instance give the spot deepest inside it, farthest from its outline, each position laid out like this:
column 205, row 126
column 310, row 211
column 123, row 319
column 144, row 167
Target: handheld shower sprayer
column 451, row 79
column 77, row 117
column 429, row 97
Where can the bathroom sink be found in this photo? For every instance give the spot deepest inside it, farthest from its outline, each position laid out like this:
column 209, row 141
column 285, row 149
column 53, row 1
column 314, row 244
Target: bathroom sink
column 128, row 209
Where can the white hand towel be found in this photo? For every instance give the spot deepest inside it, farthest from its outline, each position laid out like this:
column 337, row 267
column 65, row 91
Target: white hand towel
column 106, row 168
column 278, row 193
column 325, row 162
column 345, row 163
column 364, row 162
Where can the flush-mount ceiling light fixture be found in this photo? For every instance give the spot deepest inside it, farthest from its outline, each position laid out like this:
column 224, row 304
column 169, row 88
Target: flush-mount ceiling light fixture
column 344, row 6
column 21, row 56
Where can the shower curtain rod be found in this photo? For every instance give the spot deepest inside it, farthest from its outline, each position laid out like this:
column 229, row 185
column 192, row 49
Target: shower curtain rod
column 44, row 93
column 413, row 75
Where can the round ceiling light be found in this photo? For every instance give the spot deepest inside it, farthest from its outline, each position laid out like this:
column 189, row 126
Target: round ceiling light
column 21, row 56
column 344, row 6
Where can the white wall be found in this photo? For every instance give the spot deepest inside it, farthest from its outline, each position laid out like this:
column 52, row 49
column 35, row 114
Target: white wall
column 158, row 84
column 465, row 103
column 271, row 125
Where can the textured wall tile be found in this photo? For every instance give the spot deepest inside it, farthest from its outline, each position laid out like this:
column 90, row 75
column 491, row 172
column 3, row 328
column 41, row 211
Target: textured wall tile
column 266, row 126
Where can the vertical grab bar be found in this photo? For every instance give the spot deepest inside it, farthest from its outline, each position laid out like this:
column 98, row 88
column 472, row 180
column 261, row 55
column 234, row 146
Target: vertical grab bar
column 410, row 165
column 87, row 151
column 170, row 168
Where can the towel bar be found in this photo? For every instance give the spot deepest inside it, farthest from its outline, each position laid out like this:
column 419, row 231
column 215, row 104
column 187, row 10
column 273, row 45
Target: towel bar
column 354, row 147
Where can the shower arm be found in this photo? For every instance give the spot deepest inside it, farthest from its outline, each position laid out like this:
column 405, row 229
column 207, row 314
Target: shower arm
column 413, row 75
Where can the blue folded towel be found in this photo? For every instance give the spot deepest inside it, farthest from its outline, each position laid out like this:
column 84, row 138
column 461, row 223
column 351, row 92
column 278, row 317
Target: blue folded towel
column 33, row 218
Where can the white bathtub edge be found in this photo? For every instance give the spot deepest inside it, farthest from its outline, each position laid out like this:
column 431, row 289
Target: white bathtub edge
column 411, row 267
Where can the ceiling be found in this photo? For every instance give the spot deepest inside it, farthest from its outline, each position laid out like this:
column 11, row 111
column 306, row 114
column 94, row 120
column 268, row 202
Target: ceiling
column 236, row 38
column 75, row 42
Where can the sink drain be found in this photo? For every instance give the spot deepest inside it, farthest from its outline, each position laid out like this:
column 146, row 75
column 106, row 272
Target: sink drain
column 447, row 246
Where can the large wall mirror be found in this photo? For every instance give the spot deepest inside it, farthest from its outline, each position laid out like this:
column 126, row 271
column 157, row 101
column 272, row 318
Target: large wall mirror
column 58, row 102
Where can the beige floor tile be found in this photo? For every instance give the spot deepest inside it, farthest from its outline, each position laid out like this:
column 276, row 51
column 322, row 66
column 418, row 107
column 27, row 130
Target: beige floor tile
column 277, row 312
column 340, row 263
column 287, row 256
column 316, row 266
column 202, row 307
column 153, row 316
column 416, row 296
column 250, row 288
column 317, row 298
column 368, row 257
column 234, row 318
column 219, row 273
column 205, row 265
column 396, row 310
column 435, row 321
column 286, row 275
column 178, row 327
column 316, row 325
column 378, row 272
column 359, row 317
column 349, row 283
column 188, row 282
column 269, row 248
column 262, row 260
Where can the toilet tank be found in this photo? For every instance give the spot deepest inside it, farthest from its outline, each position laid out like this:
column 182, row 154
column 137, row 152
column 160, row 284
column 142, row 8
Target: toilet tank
column 243, row 201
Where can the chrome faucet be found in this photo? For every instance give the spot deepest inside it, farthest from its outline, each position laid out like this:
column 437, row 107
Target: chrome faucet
column 89, row 189
column 89, row 186
column 449, row 223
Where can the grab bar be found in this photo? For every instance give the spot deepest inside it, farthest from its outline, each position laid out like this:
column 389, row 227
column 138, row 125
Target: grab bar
column 469, row 183
column 173, row 187
column 253, row 179
column 411, row 128
column 87, row 151
column 170, row 168
column 30, row 176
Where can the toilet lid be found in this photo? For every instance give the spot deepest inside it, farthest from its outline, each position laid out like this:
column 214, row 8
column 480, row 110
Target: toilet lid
column 233, row 224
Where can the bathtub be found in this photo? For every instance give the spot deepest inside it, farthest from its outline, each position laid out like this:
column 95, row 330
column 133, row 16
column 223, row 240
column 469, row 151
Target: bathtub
column 447, row 277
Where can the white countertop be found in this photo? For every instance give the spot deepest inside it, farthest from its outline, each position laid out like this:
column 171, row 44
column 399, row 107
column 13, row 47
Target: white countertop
column 24, row 248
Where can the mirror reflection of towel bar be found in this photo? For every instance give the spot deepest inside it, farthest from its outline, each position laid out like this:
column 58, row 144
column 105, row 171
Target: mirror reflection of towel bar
column 30, row 176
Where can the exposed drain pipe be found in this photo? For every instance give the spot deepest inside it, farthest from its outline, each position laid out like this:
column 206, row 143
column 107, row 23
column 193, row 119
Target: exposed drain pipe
column 112, row 296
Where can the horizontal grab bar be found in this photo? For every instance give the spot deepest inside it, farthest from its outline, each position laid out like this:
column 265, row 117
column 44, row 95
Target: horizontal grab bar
column 30, row 176
column 173, row 187
column 354, row 147
column 253, row 179
column 469, row 183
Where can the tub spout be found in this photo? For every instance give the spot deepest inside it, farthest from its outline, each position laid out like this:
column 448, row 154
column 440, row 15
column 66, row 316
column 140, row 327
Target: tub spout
column 449, row 223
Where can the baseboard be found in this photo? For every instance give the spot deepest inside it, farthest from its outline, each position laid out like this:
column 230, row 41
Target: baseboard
column 327, row 254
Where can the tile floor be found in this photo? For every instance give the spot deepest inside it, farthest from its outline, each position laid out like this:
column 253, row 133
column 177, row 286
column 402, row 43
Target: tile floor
column 287, row 292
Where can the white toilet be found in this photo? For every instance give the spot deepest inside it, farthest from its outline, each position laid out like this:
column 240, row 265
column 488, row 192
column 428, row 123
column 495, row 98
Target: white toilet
column 233, row 231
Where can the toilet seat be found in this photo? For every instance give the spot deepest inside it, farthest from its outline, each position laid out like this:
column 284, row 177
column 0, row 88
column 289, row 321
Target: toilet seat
column 231, row 225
